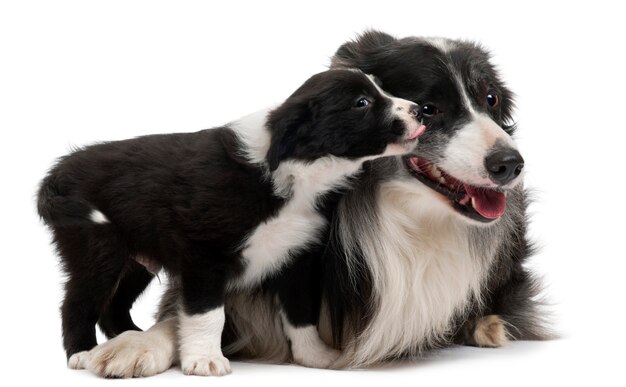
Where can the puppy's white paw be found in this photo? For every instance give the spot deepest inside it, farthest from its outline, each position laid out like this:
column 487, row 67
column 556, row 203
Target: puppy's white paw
column 215, row 365
column 319, row 356
column 131, row 354
column 78, row 361
column 307, row 348
column 490, row 332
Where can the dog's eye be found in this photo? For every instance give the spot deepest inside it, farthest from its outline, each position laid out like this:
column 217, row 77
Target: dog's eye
column 492, row 100
column 429, row 110
column 362, row 102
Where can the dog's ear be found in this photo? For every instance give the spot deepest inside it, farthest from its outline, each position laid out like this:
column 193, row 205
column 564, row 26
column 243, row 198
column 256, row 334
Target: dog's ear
column 284, row 124
column 350, row 54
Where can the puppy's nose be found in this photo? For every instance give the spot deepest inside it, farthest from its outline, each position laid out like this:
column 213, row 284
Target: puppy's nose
column 414, row 110
column 504, row 165
column 411, row 108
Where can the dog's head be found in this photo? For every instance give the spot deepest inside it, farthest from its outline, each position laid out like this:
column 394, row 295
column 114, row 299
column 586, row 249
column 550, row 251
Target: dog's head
column 467, row 157
column 342, row 113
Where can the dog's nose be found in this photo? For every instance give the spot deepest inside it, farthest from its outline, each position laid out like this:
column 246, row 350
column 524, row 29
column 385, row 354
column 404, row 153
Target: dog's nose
column 504, row 165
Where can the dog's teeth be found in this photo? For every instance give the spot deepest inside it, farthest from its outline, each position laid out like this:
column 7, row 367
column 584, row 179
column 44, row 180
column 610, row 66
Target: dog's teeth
column 435, row 171
column 473, row 203
column 442, row 180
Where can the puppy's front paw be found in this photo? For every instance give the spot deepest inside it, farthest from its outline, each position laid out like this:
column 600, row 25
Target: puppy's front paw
column 215, row 365
column 78, row 361
column 490, row 332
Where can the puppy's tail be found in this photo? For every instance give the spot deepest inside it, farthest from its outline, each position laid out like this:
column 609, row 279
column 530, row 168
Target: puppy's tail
column 59, row 209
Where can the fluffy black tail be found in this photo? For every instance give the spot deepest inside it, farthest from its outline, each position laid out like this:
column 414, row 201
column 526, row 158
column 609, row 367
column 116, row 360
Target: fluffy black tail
column 59, row 209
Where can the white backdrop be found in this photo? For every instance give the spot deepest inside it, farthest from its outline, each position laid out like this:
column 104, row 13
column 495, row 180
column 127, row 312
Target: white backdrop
column 72, row 73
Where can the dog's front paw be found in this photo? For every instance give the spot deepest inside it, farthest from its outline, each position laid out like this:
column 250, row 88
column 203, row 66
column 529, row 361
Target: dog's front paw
column 78, row 361
column 131, row 354
column 215, row 365
column 490, row 332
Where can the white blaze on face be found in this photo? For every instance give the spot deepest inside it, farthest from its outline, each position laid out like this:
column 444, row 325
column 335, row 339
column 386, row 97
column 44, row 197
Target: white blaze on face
column 464, row 157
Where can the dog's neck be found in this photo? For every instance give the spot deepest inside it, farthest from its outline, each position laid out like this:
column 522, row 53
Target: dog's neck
column 293, row 179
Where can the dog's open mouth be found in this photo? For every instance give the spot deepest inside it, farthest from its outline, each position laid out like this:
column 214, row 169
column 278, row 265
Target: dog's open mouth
column 478, row 203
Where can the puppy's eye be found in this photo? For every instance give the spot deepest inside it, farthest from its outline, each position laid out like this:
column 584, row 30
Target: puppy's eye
column 429, row 110
column 492, row 100
column 362, row 102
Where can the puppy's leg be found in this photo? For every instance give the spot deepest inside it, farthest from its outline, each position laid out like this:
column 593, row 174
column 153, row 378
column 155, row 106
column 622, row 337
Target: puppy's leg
column 116, row 318
column 300, row 297
column 135, row 354
column 200, row 343
column 202, row 317
column 93, row 260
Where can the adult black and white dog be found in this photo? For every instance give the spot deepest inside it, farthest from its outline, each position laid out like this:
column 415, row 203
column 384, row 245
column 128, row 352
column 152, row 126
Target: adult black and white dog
column 427, row 250
column 223, row 210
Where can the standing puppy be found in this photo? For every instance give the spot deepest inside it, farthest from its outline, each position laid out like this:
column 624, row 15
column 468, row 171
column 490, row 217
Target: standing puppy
column 222, row 209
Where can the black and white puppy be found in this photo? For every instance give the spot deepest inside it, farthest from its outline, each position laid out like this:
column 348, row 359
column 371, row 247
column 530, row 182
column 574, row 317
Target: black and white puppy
column 221, row 209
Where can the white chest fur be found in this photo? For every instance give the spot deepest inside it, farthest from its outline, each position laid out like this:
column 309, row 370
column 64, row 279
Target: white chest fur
column 425, row 271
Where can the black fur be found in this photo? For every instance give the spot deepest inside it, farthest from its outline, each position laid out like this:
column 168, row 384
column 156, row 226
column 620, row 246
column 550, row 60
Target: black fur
column 188, row 201
column 115, row 317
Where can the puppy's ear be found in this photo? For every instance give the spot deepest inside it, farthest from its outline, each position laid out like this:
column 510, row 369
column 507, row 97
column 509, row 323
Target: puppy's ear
column 284, row 124
column 350, row 54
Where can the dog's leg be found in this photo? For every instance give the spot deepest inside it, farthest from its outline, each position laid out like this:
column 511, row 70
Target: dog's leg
column 116, row 318
column 135, row 354
column 202, row 316
column 300, row 297
column 93, row 259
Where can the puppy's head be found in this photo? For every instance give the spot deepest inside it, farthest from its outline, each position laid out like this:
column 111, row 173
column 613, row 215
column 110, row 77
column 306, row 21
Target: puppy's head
column 342, row 113
column 467, row 158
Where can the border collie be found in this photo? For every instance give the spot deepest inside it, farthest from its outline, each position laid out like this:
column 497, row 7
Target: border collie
column 223, row 210
column 425, row 251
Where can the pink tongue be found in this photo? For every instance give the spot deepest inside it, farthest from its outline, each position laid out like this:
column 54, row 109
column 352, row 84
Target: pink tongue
column 487, row 202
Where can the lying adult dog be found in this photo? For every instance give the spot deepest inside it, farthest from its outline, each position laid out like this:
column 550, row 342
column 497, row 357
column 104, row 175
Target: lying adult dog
column 426, row 251
column 224, row 210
